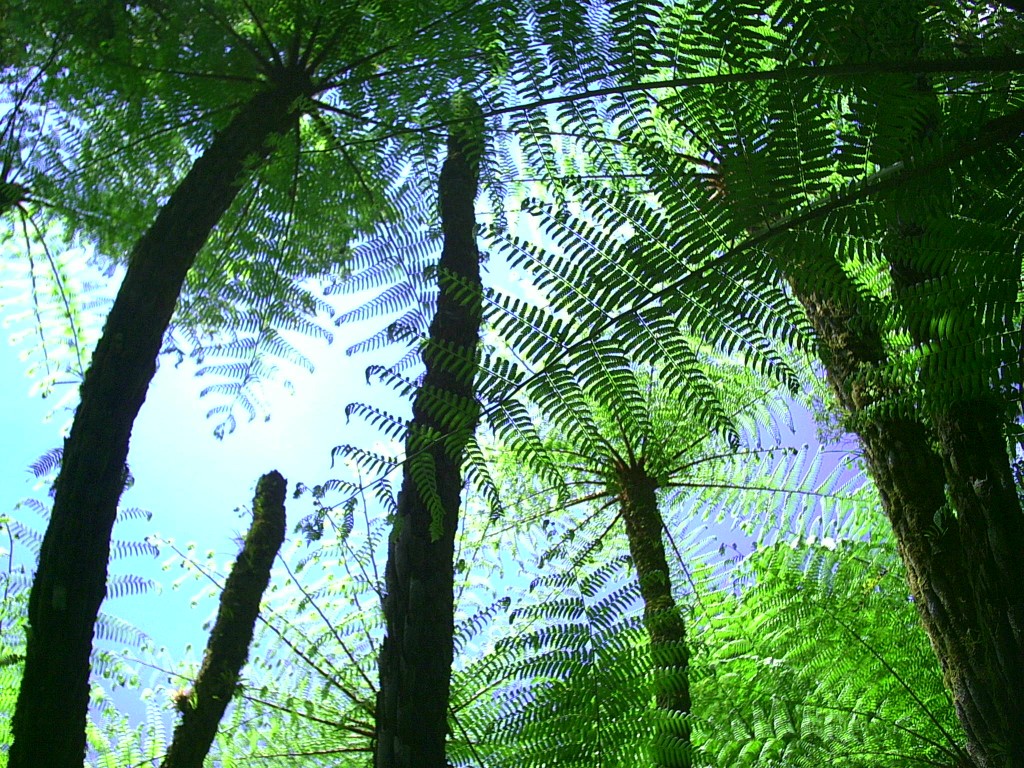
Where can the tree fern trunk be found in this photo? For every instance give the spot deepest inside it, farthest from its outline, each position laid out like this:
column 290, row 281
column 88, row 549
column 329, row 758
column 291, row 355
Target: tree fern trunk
column 670, row 747
column 984, row 661
column 950, row 560
column 49, row 720
column 228, row 647
column 416, row 658
column 966, row 567
column 986, row 675
column 978, row 629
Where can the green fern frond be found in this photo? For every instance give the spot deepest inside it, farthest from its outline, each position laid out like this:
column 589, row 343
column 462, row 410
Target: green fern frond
column 832, row 640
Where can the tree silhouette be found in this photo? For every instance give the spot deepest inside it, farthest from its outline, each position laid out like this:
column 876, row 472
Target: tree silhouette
column 416, row 656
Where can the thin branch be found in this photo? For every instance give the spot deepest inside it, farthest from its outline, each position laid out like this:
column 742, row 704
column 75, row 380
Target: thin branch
column 75, row 333
column 340, row 725
column 263, row 33
column 330, row 626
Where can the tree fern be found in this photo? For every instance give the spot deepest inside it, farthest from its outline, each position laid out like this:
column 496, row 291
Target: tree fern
column 308, row 690
column 232, row 633
column 289, row 69
column 892, row 112
column 779, row 143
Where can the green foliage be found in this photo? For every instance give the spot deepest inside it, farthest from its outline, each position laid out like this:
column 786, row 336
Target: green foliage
column 52, row 303
column 815, row 657
column 725, row 150
column 153, row 85
column 567, row 683
column 116, row 740
column 13, row 610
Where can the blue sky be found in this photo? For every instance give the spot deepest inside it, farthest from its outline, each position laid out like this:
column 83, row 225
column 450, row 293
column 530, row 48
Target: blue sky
column 191, row 482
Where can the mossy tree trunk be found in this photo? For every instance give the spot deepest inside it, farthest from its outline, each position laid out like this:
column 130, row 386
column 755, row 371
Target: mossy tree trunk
column 941, row 464
column 975, row 614
column 70, row 583
column 228, row 647
column 638, row 504
column 963, row 569
column 977, row 625
column 981, row 636
column 416, row 658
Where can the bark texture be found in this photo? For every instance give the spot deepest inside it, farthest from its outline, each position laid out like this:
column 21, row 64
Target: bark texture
column 960, row 567
column 979, row 628
column 941, row 463
column 70, row 583
column 416, row 658
column 671, row 747
column 228, row 647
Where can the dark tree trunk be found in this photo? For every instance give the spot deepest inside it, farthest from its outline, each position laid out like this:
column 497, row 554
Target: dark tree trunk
column 49, row 721
column 985, row 597
column 416, row 658
column 965, row 564
column 963, row 570
column 666, row 629
column 981, row 646
column 228, row 647
column 987, row 676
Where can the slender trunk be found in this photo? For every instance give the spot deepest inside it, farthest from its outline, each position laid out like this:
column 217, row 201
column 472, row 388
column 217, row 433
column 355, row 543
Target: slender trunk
column 416, row 658
column 666, row 629
column 228, row 647
column 49, row 720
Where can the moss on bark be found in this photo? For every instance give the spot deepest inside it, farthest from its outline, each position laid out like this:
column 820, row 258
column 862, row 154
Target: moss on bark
column 228, row 647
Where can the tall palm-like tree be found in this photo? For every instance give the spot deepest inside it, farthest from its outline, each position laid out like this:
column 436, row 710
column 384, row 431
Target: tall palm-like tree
column 617, row 455
column 851, row 155
column 281, row 77
column 416, row 657
column 934, row 436
column 71, row 579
